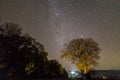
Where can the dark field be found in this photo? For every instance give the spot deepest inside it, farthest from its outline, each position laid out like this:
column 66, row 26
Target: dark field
column 77, row 79
column 5, row 78
column 80, row 79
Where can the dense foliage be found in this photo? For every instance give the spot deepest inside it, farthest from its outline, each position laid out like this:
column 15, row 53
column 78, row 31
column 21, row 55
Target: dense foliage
column 22, row 56
column 83, row 52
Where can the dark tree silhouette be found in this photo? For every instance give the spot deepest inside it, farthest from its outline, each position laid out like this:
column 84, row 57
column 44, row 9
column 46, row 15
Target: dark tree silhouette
column 21, row 55
column 56, row 69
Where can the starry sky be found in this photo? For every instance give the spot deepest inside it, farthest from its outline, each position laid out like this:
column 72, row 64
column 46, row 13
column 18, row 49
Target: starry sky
column 55, row 22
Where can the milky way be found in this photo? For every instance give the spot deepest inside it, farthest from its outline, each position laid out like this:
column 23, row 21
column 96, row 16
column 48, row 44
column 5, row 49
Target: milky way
column 55, row 22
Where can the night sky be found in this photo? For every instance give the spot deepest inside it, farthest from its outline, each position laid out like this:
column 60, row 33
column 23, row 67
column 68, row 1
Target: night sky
column 55, row 22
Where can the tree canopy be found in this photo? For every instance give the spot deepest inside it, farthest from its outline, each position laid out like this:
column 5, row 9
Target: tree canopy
column 22, row 56
column 83, row 52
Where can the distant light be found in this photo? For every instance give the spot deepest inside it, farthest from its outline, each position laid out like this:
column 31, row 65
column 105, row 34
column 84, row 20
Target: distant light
column 73, row 72
column 104, row 77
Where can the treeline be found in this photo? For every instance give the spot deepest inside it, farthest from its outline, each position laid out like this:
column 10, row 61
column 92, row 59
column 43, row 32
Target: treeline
column 23, row 57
